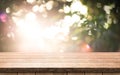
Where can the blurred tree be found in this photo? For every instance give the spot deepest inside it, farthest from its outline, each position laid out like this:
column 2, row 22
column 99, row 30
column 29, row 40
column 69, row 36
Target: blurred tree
column 93, row 22
column 106, row 12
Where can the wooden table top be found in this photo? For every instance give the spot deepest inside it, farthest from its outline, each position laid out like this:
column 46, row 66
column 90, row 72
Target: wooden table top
column 71, row 61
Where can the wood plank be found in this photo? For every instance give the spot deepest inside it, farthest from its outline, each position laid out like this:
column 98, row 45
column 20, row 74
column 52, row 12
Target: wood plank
column 8, row 73
column 60, row 65
column 44, row 73
column 111, row 73
column 93, row 73
column 75, row 73
column 59, row 55
column 78, row 61
column 51, row 73
column 53, row 62
column 59, row 61
column 59, row 73
column 26, row 74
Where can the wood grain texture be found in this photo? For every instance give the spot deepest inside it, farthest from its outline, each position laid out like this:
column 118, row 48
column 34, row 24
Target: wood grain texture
column 111, row 73
column 26, row 73
column 51, row 73
column 93, row 73
column 75, row 73
column 8, row 73
column 59, row 73
column 54, row 62
column 44, row 73
column 65, row 60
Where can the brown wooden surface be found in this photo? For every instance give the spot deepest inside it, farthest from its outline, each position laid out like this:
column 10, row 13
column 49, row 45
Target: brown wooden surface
column 46, row 73
column 13, row 61
column 76, row 73
column 111, row 73
column 59, row 74
column 26, row 74
column 8, row 73
column 93, row 73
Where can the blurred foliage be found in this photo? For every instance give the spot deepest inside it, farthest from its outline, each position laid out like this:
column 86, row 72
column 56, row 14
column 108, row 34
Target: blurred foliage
column 101, row 27
column 85, row 26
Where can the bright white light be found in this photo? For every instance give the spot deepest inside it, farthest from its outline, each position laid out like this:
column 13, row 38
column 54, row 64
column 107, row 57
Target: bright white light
column 30, row 1
column 32, row 46
column 67, row 21
column 30, row 16
column 78, row 6
column 11, row 35
column 68, row 0
column 28, row 27
column 108, row 8
column 30, row 32
column 66, row 9
column 106, row 26
column 74, row 38
column 8, row 10
column 60, row 10
column 61, row 51
column 49, row 5
column 35, row 38
column 75, row 18
column 20, row 23
column 35, row 8
column 51, row 32
column 32, row 35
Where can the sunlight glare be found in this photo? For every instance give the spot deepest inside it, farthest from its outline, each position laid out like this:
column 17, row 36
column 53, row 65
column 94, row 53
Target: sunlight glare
column 68, row 0
column 75, row 18
column 35, row 8
column 30, row 1
column 33, row 36
column 78, row 6
column 67, row 21
column 66, row 9
column 49, row 5
column 30, row 16
column 7, row 10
